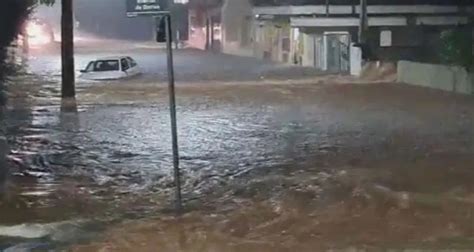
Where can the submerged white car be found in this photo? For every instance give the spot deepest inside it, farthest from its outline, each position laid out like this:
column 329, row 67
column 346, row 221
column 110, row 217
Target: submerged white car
column 111, row 68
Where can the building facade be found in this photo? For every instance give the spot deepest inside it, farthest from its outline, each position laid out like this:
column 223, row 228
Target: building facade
column 326, row 36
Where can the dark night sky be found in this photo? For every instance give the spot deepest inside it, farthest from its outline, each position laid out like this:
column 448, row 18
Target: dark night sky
column 108, row 18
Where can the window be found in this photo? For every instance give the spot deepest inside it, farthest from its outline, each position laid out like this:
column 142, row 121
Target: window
column 90, row 66
column 386, row 38
column 124, row 64
column 106, row 65
column 132, row 62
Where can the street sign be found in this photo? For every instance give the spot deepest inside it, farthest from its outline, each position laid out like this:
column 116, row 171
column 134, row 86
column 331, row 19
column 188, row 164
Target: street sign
column 146, row 7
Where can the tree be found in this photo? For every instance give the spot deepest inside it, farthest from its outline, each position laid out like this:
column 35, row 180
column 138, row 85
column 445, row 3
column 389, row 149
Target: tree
column 13, row 13
column 67, row 49
column 68, row 89
column 456, row 47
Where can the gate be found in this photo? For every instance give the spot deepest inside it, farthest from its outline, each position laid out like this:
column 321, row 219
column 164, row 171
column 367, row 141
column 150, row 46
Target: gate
column 338, row 55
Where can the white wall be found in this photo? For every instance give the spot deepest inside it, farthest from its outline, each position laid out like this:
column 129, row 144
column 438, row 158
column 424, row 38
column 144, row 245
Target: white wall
column 447, row 78
column 308, row 53
column 356, row 60
column 294, row 36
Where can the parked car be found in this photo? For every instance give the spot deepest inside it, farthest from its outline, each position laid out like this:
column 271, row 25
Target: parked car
column 110, row 68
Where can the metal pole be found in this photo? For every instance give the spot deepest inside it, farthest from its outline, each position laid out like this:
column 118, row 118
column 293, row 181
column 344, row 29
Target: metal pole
column 211, row 37
column 363, row 22
column 174, row 128
column 327, row 8
column 206, row 6
column 208, row 43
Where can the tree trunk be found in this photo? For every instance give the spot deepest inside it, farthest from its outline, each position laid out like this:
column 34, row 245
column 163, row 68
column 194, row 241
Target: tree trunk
column 67, row 50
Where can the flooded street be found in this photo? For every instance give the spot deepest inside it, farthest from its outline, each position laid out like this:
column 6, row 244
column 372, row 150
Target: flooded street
column 191, row 65
column 268, row 165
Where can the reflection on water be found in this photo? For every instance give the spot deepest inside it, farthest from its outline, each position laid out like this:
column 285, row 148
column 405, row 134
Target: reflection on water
column 70, row 163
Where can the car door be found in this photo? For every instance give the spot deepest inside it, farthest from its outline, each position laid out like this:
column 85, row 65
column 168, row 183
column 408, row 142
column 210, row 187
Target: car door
column 125, row 66
column 88, row 72
column 134, row 70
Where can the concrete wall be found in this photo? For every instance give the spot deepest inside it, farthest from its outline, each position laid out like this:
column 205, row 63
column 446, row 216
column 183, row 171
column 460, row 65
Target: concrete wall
column 411, row 43
column 237, row 27
column 234, row 48
column 264, row 43
column 447, row 78
column 197, row 29
column 272, row 40
column 258, row 42
column 356, row 60
column 308, row 51
column 295, row 49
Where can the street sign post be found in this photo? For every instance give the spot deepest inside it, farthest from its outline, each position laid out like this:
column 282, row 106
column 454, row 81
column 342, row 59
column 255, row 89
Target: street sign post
column 146, row 7
column 174, row 125
column 159, row 9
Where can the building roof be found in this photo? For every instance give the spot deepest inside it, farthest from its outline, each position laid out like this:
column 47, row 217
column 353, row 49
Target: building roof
column 357, row 2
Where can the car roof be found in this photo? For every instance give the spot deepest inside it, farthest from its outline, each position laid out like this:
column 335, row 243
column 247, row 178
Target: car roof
column 112, row 58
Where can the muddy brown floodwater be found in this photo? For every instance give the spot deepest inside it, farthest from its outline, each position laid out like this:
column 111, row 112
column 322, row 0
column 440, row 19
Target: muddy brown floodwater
column 267, row 167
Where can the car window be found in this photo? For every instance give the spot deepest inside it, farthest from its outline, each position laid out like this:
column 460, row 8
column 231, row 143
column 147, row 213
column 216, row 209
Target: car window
column 90, row 66
column 125, row 65
column 106, row 65
column 132, row 62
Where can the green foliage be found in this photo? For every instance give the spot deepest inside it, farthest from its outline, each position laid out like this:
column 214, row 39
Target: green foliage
column 456, row 47
column 13, row 14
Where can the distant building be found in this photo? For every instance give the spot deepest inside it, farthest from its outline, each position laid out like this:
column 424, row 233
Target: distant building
column 205, row 24
column 311, row 33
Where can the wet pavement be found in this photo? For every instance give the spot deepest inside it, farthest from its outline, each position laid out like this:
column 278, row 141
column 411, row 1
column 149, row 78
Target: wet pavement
column 266, row 167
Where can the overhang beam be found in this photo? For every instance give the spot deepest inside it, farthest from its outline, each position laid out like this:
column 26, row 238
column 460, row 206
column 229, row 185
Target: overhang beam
column 371, row 9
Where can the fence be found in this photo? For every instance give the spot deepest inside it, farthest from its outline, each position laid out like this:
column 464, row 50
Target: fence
column 447, row 78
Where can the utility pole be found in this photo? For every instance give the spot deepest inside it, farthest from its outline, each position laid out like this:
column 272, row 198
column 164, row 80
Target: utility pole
column 208, row 44
column 363, row 25
column 211, row 35
column 206, row 7
column 67, row 50
column 327, row 8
